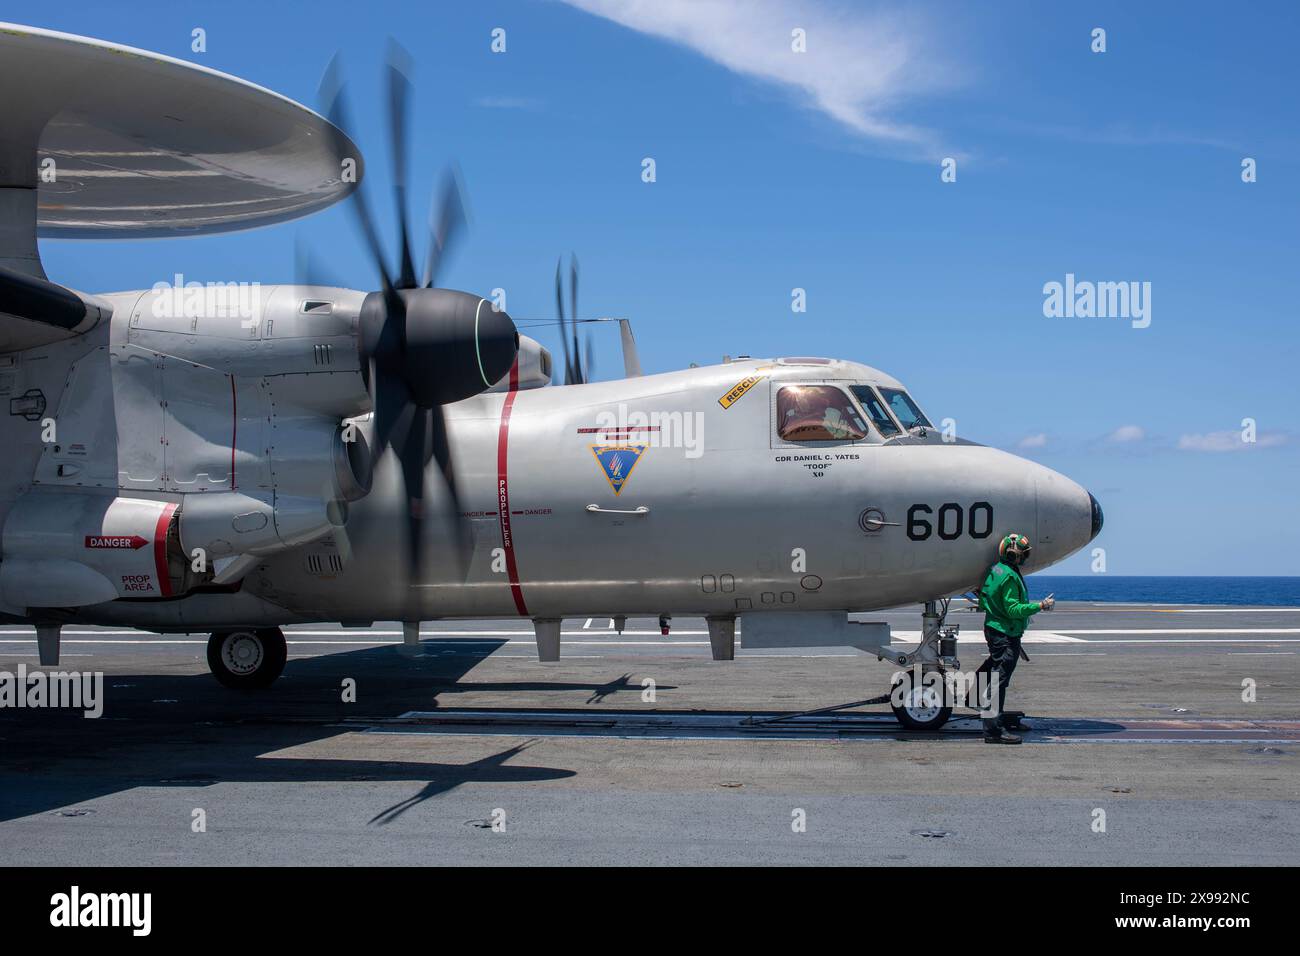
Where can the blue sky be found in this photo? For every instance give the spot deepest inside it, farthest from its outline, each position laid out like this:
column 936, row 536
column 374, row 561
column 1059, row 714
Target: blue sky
column 820, row 170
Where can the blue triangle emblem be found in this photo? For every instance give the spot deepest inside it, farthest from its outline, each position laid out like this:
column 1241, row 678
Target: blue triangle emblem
column 617, row 462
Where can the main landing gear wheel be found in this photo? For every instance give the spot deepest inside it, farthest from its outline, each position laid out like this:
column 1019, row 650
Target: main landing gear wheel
column 247, row 659
column 923, row 707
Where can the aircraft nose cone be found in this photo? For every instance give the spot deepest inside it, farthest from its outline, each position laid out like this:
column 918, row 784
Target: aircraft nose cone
column 1098, row 519
column 1068, row 516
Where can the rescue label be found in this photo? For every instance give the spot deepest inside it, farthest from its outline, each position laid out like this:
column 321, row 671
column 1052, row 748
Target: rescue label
column 739, row 389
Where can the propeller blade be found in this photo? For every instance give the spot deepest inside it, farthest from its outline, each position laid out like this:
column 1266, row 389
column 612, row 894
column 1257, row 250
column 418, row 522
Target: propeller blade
column 334, row 103
column 564, row 331
column 441, row 450
column 307, row 268
column 391, row 401
column 399, row 95
column 412, row 452
column 573, row 316
column 446, row 221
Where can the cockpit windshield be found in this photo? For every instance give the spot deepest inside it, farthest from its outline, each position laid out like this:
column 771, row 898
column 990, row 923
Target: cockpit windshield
column 817, row 413
column 904, row 409
column 875, row 409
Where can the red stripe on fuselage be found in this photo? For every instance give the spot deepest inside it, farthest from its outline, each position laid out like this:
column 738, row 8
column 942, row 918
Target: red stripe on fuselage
column 160, row 550
column 503, row 492
column 234, row 430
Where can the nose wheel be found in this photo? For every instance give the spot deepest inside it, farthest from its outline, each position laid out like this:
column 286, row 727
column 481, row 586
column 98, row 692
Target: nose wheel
column 247, row 659
column 922, row 706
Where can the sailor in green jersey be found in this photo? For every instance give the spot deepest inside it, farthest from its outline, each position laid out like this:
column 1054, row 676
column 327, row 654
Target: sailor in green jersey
column 1006, row 614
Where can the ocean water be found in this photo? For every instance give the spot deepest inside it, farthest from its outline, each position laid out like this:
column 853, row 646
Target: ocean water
column 1265, row 592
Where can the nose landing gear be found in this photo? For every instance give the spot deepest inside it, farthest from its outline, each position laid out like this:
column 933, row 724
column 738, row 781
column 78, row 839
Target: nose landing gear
column 923, row 705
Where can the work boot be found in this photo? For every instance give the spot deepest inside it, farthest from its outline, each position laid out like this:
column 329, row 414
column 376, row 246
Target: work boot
column 994, row 734
column 1006, row 737
column 1013, row 722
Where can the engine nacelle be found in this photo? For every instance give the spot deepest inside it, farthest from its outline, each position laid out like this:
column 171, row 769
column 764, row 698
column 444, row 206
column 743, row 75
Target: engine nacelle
column 66, row 549
column 308, row 502
column 201, row 434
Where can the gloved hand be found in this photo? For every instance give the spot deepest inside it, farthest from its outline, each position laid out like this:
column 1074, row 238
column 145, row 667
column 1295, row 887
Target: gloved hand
column 1047, row 603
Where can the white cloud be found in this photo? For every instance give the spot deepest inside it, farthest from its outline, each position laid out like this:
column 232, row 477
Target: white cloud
column 1032, row 441
column 1228, row 441
column 1127, row 434
column 859, row 66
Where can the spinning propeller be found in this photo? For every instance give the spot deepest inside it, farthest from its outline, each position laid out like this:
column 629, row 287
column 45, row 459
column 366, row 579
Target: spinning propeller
column 422, row 348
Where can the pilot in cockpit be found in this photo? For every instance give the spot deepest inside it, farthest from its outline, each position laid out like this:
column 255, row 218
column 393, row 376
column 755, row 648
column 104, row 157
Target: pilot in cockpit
column 818, row 413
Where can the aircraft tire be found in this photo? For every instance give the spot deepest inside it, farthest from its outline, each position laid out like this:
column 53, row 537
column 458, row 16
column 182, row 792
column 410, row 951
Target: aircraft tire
column 247, row 658
column 923, row 710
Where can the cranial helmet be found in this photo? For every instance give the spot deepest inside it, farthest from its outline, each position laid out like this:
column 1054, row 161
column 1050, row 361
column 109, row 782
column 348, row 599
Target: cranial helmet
column 1014, row 549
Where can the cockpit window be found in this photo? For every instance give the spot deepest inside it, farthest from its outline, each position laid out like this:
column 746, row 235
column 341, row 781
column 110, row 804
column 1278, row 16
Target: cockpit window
column 817, row 413
column 875, row 409
column 904, row 408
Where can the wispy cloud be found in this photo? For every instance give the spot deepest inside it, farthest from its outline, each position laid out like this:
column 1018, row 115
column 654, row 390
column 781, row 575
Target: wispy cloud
column 1228, row 441
column 1038, row 440
column 859, row 67
column 1127, row 434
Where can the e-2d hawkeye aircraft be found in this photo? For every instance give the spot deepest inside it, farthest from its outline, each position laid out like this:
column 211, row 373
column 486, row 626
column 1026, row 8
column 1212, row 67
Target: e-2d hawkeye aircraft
column 176, row 464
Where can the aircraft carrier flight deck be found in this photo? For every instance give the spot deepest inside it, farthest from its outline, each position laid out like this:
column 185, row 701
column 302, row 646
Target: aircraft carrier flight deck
column 1175, row 725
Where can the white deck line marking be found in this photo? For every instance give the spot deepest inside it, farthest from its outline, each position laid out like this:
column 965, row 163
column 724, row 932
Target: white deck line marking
column 1205, row 640
column 1235, row 610
column 1183, row 630
column 1031, row 637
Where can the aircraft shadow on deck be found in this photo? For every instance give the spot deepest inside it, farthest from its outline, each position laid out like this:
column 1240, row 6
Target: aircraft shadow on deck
column 161, row 730
column 189, row 731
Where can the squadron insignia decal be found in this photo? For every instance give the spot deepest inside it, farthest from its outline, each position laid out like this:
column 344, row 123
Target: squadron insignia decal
column 617, row 462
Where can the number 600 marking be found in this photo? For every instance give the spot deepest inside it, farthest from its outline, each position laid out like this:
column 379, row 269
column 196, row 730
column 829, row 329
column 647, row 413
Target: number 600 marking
column 952, row 521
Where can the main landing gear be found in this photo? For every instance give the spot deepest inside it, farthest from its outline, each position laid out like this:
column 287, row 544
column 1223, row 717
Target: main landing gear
column 247, row 658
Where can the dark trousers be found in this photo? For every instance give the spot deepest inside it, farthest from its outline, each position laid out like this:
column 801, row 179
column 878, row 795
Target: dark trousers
column 1004, row 653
